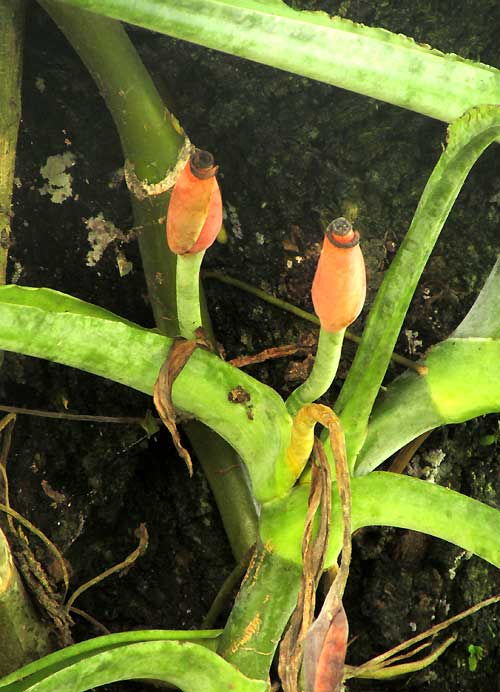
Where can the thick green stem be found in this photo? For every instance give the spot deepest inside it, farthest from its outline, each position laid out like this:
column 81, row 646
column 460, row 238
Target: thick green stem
column 261, row 612
column 23, row 637
column 149, row 139
column 151, row 142
column 323, row 372
column 226, row 477
column 188, row 294
column 158, row 263
column 11, row 43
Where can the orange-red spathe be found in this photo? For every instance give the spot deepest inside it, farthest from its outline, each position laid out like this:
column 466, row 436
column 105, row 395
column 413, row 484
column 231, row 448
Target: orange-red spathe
column 194, row 213
column 339, row 285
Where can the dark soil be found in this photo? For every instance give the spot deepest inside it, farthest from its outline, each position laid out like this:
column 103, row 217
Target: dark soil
column 292, row 153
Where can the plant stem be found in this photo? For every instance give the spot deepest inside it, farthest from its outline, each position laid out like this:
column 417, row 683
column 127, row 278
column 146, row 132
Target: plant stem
column 149, row 139
column 82, row 417
column 321, row 376
column 151, row 142
column 23, row 638
column 11, row 45
column 228, row 483
column 259, row 616
column 188, row 293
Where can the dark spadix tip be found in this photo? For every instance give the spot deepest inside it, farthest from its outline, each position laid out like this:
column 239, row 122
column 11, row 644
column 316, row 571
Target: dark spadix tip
column 340, row 226
column 338, row 229
column 202, row 164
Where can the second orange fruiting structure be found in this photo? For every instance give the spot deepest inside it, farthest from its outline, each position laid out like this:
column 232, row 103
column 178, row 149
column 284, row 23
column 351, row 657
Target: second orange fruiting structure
column 195, row 210
column 339, row 285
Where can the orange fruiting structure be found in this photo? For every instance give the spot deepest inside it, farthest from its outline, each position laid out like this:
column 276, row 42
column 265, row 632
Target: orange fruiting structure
column 339, row 286
column 195, row 210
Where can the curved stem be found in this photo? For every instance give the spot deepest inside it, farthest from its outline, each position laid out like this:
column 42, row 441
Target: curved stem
column 322, row 375
column 151, row 140
column 188, row 293
column 11, row 44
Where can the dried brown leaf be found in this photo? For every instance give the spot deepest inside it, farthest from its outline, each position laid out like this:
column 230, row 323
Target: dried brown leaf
column 177, row 358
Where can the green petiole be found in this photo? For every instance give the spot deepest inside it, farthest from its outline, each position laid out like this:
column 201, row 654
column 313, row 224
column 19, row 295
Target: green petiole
column 321, row 376
column 188, row 293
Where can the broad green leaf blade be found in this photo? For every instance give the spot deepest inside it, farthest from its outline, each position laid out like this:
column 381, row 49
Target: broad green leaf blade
column 370, row 61
column 191, row 667
column 388, row 499
column 463, row 381
column 48, row 324
column 58, row 660
column 468, row 137
column 483, row 319
column 464, row 378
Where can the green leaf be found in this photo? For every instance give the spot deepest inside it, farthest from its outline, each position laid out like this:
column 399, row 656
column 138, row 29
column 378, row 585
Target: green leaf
column 462, row 382
column 468, row 137
column 370, row 61
column 388, row 499
column 51, row 325
column 476, row 654
column 483, row 319
column 64, row 657
column 464, row 378
column 48, row 324
column 189, row 666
